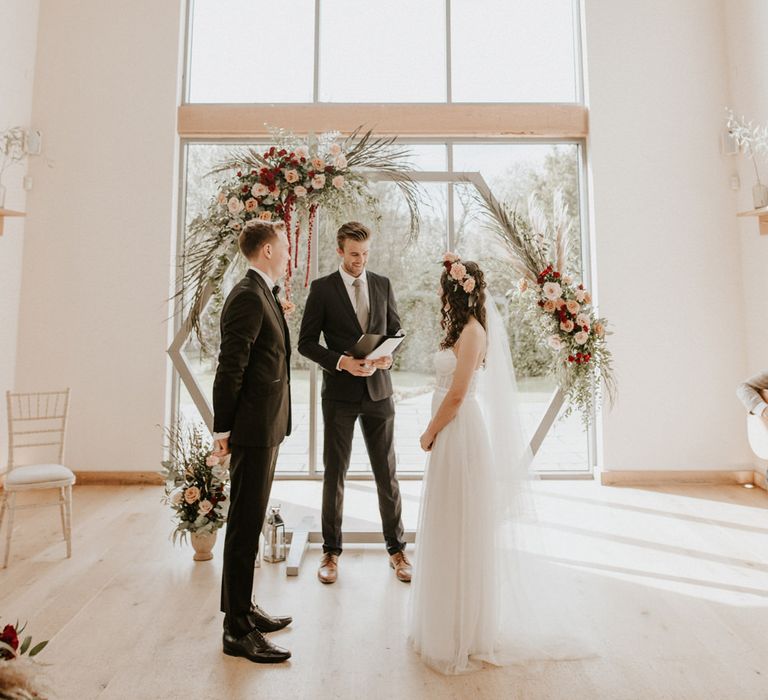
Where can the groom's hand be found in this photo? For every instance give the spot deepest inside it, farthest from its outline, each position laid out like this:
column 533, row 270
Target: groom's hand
column 222, row 447
column 358, row 368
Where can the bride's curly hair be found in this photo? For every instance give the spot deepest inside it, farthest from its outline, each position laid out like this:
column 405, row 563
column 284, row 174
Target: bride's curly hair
column 458, row 306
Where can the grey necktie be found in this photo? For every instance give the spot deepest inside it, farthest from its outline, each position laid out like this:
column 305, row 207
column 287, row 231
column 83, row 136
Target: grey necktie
column 361, row 304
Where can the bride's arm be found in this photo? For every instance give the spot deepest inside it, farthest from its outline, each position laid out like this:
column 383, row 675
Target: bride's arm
column 471, row 346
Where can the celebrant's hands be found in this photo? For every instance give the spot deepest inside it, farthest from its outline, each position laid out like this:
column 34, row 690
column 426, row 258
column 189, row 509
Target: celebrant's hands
column 383, row 362
column 358, row 368
column 222, row 447
column 426, row 441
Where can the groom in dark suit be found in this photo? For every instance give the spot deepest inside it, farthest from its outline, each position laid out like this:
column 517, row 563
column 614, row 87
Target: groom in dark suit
column 343, row 306
column 252, row 416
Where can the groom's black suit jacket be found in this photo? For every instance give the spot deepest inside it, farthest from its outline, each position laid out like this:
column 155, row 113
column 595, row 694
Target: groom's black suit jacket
column 251, row 391
column 329, row 311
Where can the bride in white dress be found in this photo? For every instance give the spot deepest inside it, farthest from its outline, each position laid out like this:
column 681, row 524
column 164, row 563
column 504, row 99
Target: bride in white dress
column 462, row 596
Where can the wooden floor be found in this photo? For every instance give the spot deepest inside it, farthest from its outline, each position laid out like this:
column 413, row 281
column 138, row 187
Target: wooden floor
column 667, row 589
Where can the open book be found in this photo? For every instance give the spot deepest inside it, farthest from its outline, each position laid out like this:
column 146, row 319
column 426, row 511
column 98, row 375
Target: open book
column 372, row 346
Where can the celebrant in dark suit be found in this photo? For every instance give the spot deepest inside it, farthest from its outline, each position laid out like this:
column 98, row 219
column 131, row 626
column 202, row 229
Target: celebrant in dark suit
column 252, row 416
column 343, row 306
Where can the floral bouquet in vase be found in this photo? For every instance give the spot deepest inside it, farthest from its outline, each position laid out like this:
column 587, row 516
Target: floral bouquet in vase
column 197, row 483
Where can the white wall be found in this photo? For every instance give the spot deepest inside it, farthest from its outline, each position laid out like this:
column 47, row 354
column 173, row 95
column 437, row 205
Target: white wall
column 97, row 260
column 667, row 241
column 18, row 39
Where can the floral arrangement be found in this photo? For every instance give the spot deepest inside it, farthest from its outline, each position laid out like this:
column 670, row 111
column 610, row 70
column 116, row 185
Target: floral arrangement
column 197, row 482
column 557, row 305
column 18, row 675
column 751, row 139
column 289, row 182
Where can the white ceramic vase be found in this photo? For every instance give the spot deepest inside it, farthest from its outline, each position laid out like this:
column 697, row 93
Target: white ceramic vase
column 203, row 545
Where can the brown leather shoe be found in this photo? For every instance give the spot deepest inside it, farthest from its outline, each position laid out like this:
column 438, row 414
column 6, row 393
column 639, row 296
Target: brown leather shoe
column 329, row 568
column 399, row 562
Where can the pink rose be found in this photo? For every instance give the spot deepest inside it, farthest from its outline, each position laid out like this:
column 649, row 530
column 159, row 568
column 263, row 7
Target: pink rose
column 205, row 507
column 318, row 182
column 469, row 285
column 302, row 152
column 300, row 191
column 566, row 325
column 192, row 494
column 549, row 306
column 581, row 337
column 580, row 294
column 259, row 190
column 450, row 257
column 338, row 182
column 265, row 216
column 251, row 204
column 291, row 176
column 572, row 306
column 458, row 271
column 554, row 342
column 583, row 320
column 552, row 290
column 234, row 205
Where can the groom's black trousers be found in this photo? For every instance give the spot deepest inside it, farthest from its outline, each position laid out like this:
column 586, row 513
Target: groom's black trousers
column 377, row 421
column 251, row 471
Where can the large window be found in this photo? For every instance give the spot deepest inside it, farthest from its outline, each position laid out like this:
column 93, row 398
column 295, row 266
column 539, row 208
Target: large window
column 432, row 53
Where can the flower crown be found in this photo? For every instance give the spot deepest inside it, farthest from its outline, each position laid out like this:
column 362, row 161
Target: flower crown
column 458, row 272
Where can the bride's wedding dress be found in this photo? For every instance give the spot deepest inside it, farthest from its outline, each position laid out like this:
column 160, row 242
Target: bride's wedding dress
column 454, row 599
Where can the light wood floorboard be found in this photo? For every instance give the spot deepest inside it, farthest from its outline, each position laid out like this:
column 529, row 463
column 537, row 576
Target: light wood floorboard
column 664, row 589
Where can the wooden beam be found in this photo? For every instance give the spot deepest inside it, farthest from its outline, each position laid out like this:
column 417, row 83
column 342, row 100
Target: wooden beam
column 456, row 120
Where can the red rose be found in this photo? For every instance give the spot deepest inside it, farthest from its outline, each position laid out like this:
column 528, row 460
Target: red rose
column 272, row 151
column 556, row 275
column 570, row 358
column 11, row 638
column 303, row 159
column 282, row 152
column 239, row 174
column 329, row 168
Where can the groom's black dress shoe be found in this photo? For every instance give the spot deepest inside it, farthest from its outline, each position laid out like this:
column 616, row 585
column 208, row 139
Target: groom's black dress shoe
column 255, row 647
column 263, row 622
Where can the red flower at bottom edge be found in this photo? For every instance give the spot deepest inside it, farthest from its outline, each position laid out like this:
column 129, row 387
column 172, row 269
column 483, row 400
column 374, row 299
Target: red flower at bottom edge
column 11, row 638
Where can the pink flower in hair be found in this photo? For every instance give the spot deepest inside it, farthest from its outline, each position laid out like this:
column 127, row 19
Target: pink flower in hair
column 458, row 271
column 469, row 285
column 450, row 257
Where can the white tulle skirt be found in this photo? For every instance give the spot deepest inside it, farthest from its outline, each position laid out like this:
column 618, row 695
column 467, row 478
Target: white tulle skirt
column 455, row 614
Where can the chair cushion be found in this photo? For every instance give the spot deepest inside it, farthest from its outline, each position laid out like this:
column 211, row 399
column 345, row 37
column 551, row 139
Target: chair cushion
column 32, row 474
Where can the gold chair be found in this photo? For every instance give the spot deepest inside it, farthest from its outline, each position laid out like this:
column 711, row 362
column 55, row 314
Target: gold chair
column 37, row 420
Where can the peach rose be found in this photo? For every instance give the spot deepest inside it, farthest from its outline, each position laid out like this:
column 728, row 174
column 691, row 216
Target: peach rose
column 205, row 507
column 580, row 294
column 567, row 279
column 222, row 198
column 259, row 190
column 469, row 285
column 251, row 204
column 572, row 306
column 288, row 307
column 599, row 329
column 234, row 205
column 458, row 271
column 522, row 285
column 264, row 216
column 338, row 182
column 318, row 182
column 235, row 225
column 559, row 303
column 549, row 306
column 581, row 337
column 192, row 494
column 300, row 191
column 552, row 290
column 291, row 176
column 566, row 325
column 318, row 164
column 587, row 298
column 450, row 257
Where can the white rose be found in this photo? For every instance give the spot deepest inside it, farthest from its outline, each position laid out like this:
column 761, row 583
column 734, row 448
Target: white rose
column 340, row 162
column 259, row 190
column 581, row 337
column 235, row 205
column 318, row 182
column 235, row 224
column 338, row 182
column 205, row 507
column 552, row 290
column 580, row 294
column 300, row 191
column 554, row 342
column 567, row 279
column 302, row 152
column 335, row 149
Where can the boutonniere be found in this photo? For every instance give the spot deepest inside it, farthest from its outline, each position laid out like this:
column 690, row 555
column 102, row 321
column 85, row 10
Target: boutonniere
column 288, row 307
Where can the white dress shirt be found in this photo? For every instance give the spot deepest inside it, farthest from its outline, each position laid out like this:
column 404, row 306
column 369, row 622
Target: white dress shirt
column 270, row 284
column 349, row 282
